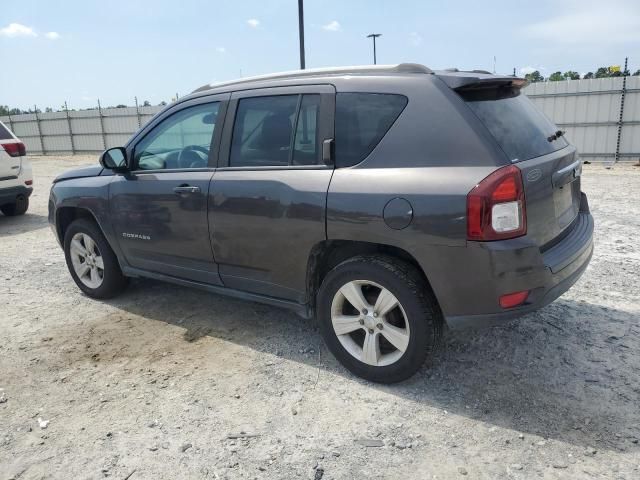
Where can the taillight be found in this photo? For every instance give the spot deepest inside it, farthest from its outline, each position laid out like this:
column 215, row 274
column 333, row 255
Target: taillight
column 496, row 207
column 15, row 149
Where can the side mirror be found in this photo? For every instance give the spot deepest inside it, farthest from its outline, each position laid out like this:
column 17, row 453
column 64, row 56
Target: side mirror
column 210, row 118
column 114, row 159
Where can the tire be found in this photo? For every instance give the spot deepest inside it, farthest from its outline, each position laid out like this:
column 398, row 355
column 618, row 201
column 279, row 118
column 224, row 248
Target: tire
column 19, row 207
column 108, row 280
column 414, row 323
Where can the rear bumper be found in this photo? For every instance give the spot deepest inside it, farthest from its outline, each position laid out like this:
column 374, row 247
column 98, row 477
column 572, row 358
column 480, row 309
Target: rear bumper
column 546, row 274
column 8, row 195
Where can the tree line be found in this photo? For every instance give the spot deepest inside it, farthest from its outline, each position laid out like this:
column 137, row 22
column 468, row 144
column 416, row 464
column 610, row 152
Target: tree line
column 602, row 72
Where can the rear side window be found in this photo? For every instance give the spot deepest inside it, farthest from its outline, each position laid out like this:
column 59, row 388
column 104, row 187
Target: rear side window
column 517, row 125
column 305, row 149
column 362, row 119
column 4, row 133
column 276, row 131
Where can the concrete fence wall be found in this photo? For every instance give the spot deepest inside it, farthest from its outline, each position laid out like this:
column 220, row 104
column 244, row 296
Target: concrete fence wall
column 601, row 117
column 83, row 131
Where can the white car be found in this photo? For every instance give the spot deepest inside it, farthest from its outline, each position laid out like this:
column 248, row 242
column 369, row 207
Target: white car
column 16, row 178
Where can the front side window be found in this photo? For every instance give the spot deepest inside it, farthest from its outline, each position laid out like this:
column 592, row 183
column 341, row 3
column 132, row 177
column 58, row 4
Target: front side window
column 180, row 141
column 276, row 131
column 362, row 119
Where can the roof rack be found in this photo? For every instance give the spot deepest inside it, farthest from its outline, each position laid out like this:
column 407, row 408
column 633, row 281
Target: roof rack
column 455, row 70
column 361, row 69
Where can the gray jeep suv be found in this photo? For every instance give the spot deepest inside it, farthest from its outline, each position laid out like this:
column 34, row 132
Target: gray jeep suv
column 385, row 201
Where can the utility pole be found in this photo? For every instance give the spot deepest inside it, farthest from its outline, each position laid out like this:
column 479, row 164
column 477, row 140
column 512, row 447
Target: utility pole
column 374, row 36
column 301, row 32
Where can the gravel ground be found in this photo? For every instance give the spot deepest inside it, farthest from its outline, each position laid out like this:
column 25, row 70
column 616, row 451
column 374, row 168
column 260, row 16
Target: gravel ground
column 166, row 382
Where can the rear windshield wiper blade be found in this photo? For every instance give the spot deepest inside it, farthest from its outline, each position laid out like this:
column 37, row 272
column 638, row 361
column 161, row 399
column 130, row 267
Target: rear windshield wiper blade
column 555, row 136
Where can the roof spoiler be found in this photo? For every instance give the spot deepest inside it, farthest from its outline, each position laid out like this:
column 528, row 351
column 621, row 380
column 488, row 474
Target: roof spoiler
column 471, row 82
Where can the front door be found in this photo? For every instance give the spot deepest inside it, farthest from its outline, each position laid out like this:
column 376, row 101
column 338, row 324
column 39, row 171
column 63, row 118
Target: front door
column 160, row 207
column 268, row 197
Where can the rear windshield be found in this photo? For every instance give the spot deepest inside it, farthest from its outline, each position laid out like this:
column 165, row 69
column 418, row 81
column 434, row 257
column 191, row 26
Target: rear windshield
column 517, row 125
column 4, row 133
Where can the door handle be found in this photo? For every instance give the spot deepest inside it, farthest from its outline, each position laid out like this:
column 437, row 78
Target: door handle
column 186, row 189
column 566, row 174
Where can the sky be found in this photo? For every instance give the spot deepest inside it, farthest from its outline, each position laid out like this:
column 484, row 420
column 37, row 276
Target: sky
column 79, row 51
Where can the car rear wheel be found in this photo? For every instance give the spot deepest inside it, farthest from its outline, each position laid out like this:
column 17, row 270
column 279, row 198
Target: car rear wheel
column 19, row 207
column 378, row 317
column 92, row 264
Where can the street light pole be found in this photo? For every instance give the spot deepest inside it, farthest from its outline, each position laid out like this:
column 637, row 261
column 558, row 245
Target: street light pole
column 374, row 36
column 301, row 32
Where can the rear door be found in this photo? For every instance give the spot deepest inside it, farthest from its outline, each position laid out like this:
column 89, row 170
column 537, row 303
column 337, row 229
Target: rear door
column 268, row 197
column 550, row 167
column 9, row 166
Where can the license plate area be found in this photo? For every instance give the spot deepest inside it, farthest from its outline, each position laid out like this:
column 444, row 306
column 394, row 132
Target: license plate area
column 566, row 203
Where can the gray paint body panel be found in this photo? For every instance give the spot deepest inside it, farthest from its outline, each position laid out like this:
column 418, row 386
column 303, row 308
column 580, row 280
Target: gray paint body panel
column 161, row 231
column 264, row 225
column 438, row 229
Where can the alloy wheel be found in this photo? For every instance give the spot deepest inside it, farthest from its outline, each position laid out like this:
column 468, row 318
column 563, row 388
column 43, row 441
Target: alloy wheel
column 370, row 323
column 87, row 260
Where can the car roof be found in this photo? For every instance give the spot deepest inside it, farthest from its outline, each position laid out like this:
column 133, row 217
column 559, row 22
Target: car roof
column 369, row 70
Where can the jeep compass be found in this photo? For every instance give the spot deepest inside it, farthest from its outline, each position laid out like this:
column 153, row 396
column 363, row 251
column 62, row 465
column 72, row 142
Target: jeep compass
column 385, row 201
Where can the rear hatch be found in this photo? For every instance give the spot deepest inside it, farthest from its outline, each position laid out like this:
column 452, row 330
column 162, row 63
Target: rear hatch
column 550, row 167
column 9, row 164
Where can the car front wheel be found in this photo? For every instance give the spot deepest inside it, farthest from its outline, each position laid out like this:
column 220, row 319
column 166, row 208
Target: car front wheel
column 92, row 264
column 378, row 317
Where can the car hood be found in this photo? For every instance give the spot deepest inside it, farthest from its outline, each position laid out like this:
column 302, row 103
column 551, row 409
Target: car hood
column 91, row 171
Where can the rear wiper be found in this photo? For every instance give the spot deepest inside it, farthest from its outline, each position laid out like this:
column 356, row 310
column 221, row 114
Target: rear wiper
column 555, row 136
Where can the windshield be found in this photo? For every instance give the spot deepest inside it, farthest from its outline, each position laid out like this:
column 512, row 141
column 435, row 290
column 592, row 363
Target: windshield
column 518, row 126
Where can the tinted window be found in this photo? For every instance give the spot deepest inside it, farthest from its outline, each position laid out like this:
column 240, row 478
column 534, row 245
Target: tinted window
column 263, row 134
column 517, row 125
column 4, row 133
column 262, row 131
column 305, row 147
column 180, row 141
column 362, row 119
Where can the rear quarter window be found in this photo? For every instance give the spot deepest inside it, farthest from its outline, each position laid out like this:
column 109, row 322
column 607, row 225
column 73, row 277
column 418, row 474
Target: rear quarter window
column 362, row 119
column 521, row 130
column 5, row 134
